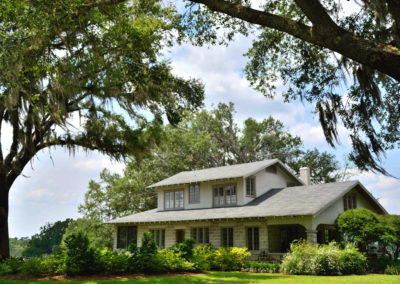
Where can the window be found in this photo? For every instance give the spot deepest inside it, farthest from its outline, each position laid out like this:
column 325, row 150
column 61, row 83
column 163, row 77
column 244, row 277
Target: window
column 349, row 202
column 201, row 235
column 173, row 199
column 253, row 238
column 227, row 237
column 126, row 235
column 158, row 236
column 225, row 195
column 251, row 186
column 194, row 193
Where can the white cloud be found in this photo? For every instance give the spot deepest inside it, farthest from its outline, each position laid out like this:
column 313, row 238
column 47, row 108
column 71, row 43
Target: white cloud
column 98, row 165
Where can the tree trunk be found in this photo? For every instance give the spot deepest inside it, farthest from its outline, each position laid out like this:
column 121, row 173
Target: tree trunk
column 4, row 239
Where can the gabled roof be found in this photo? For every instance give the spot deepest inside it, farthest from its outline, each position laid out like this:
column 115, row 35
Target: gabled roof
column 219, row 173
column 290, row 201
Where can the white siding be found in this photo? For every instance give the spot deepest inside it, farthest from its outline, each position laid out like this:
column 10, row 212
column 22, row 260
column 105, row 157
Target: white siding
column 266, row 181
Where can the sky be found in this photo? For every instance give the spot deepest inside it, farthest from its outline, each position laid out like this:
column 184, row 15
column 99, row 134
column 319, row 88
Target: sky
column 54, row 184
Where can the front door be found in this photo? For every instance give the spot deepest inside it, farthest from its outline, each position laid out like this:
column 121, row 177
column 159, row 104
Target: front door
column 180, row 236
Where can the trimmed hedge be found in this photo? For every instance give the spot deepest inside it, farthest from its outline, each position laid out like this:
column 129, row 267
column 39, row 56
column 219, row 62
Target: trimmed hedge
column 261, row 267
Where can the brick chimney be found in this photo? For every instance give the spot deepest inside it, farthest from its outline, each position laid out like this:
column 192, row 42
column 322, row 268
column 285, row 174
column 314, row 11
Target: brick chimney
column 305, row 175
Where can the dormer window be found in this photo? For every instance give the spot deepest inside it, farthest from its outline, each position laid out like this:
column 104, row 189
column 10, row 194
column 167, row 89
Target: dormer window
column 349, row 202
column 224, row 195
column 174, row 199
column 251, row 186
column 194, row 193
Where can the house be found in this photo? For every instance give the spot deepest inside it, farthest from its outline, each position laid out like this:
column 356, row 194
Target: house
column 261, row 205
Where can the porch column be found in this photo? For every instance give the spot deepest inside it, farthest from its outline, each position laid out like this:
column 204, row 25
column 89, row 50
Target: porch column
column 311, row 236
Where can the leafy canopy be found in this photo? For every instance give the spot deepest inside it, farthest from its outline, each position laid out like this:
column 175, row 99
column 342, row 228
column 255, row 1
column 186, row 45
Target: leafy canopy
column 346, row 62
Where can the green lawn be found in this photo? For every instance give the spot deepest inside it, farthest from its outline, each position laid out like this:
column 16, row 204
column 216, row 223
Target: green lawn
column 242, row 278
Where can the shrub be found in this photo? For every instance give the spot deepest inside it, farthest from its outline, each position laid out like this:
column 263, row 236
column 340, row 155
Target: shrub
column 230, row 258
column 352, row 261
column 204, row 257
column 80, row 258
column 185, row 248
column 144, row 258
column 11, row 266
column 33, row 267
column 306, row 258
column 172, row 261
column 298, row 260
column 114, row 262
column 393, row 270
column 261, row 267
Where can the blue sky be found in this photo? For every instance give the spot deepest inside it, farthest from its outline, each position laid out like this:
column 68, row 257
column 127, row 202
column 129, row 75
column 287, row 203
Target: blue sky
column 52, row 187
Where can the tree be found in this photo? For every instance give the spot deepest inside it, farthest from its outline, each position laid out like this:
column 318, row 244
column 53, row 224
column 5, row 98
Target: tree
column 48, row 240
column 17, row 246
column 393, row 248
column 346, row 64
column 364, row 227
column 98, row 234
column 84, row 59
column 201, row 140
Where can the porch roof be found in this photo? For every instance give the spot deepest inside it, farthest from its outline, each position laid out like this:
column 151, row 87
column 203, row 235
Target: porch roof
column 290, row 201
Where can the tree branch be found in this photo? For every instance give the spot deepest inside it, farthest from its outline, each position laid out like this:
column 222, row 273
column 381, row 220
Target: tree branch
column 317, row 14
column 382, row 57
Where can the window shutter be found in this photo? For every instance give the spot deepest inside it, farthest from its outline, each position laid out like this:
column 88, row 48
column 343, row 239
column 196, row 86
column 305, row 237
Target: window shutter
column 345, row 203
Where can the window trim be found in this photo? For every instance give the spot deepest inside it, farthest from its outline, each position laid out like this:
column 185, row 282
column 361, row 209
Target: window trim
column 253, row 245
column 254, row 189
column 174, row 207
column 224, row 196
column 193, row 201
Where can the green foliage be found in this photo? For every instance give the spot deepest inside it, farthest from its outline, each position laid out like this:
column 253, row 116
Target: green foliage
column 173, row 261
column 114, row 262
column 363, row 227
column 231, row 258
column 11, row 265
column 261, row 267
column 48, row 240
column 185, row 249
column 17, row 246
column 307, row 258
column 393, row 246
column 80, row 257
column 393, row 270
column 100, row 235
column 144, row 258
column 203, row 257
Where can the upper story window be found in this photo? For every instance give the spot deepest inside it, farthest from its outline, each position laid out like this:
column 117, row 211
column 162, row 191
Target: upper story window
column 349, row 202
column 251, row 186
column 194, row 193
column 224, row 195
column 174, row 199
column 126, row 235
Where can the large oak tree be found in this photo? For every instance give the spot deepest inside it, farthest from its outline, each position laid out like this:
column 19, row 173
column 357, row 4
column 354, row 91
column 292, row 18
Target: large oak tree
column 346, row 61
column 63, row 59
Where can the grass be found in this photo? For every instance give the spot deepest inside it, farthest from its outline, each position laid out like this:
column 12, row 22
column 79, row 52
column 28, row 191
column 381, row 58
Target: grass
column 240, row 278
